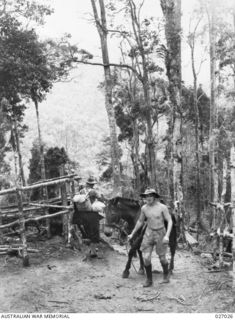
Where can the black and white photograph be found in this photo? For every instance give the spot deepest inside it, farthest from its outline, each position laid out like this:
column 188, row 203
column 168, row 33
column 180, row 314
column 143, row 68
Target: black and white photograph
column 117, row 159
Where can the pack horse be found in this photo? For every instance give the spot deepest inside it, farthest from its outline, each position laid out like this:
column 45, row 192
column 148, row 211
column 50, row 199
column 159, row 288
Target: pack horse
column 119, row 209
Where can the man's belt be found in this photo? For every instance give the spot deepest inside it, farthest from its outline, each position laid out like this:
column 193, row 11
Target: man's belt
column 163, row 227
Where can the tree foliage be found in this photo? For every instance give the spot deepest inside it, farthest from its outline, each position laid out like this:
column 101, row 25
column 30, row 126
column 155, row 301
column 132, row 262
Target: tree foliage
column 55, row 158
column 29, row 11
column 29, row 66
column 104, row 160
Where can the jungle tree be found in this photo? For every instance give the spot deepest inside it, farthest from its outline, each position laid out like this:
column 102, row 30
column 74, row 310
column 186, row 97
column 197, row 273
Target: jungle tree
column 193, row 36
column 128, row 118
column 172, row 13
column 4, row 139
column 11, row 28
column 139, row 43
column 101, row 24
column 29, row 67
column 13, row 69
column 141, row 46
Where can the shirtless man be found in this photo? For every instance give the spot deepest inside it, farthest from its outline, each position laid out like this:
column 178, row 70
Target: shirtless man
column 155, row 235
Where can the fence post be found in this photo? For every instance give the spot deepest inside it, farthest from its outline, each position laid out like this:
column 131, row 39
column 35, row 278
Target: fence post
column 46, row 212
column 64, row 203
column 71, row 210
column 22, row 228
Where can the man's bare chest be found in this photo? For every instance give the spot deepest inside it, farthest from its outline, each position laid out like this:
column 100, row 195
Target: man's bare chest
column 154, row 212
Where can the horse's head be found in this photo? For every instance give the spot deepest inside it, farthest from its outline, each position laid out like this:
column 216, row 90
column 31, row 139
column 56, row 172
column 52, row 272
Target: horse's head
column 112, row 216
column 120, row 209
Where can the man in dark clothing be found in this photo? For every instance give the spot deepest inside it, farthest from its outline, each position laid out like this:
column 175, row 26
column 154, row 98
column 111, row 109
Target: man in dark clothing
column 89, row 190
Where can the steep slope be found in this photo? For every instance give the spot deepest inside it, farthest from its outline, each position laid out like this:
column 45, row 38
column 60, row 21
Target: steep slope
column 73, row 116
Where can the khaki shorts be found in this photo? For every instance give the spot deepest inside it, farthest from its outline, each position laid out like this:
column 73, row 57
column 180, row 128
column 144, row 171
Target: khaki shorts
column 154, row 238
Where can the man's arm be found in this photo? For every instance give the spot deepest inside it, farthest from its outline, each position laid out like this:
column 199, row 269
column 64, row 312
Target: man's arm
column 138, row 225
column 167, row 217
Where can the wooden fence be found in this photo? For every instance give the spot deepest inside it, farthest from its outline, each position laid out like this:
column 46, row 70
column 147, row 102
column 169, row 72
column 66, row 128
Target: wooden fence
column 66, row 184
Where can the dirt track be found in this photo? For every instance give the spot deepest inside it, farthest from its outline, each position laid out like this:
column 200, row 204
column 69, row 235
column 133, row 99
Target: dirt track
column 62, row 282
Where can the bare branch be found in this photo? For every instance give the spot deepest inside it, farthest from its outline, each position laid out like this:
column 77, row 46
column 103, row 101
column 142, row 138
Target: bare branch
column 125, row 66
column 140, row 7
column 117, row 31
column 103, row 16
column 196, row 26
column 199, row 68
column 96, row 16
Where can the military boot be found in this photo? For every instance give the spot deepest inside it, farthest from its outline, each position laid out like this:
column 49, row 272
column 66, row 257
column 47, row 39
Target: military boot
column 149, row 280
column 165, row 273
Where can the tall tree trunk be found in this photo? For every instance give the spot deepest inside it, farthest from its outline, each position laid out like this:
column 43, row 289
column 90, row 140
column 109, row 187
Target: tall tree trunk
column 224, row 180
column 198, row 196
column 42, row 162
column 41, row 151
column 196, row 112
column 232, row 159
column 135, row 156
column 172, row 13
column 102, row 30
column 213, row 112
column 17, row 145
column 150, row 143
column 213, row 177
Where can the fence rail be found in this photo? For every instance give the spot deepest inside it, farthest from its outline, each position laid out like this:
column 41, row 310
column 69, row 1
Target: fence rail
column 66, row 211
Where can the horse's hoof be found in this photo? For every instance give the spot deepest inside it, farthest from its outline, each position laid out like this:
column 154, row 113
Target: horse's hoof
column 125, row 274
column 141, row 271
column 164, row 281
column 148, row 283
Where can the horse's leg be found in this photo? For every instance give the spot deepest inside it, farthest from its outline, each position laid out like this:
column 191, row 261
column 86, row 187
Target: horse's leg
column 172, row 251
column 126, row 272
column 141, row 269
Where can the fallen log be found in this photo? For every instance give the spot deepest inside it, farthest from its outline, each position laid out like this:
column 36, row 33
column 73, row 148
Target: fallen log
column 226, row 254
column 190, row 239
